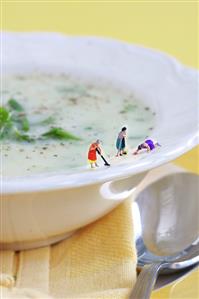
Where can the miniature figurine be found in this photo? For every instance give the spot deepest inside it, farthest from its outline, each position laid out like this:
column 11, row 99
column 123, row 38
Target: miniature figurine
column 121, row 142
column 92, row 155
column 148, row 144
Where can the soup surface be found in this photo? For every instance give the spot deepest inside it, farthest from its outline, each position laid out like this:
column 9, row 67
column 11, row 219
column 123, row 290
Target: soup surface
column 86, row 111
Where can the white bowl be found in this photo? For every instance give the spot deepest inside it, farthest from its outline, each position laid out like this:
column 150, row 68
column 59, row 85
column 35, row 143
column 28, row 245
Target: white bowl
column 38, row 210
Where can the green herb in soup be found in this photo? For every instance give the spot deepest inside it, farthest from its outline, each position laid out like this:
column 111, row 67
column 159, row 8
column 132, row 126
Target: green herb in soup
column 12, row 118
column 15, row 105
column 23, row 137
column 48, row 121
column 4, row 117
column 5, row 122
column 12, row 123
column 59, row 133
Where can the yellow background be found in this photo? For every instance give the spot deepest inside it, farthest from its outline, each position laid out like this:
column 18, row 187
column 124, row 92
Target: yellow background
column 171, row 26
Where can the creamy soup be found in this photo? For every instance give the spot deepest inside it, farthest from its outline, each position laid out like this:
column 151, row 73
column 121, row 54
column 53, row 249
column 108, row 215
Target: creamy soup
column 54, row 118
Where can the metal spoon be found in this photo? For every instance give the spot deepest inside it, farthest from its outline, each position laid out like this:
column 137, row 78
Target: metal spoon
column 166, row 228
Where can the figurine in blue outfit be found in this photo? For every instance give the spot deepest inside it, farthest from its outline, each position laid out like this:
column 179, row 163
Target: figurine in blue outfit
column 148, row 144
column 121, row 142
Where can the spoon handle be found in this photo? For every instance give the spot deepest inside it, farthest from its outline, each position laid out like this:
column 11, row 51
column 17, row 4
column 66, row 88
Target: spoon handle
column 145, row 282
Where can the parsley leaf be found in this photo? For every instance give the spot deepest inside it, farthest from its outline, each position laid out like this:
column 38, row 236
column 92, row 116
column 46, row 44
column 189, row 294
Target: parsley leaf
column 15, row 105
column 59, row 133
column 23, row 137
column 5, row 123
column 4, row 116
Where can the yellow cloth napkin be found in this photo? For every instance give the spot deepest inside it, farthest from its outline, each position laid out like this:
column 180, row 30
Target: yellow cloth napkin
column 99, row 261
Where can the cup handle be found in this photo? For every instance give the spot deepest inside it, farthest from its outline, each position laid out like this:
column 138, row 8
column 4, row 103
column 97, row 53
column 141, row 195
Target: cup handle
column 121, row 189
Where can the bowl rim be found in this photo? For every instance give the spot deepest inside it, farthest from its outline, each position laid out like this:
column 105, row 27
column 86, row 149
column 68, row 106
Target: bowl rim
column 54, row 181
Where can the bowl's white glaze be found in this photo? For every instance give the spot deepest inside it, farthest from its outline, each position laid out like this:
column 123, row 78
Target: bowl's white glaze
column 41, row 209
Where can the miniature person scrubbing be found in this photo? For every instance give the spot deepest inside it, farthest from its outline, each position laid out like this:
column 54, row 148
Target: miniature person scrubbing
column 148, row 144
column 92, row 155
column 121, row 142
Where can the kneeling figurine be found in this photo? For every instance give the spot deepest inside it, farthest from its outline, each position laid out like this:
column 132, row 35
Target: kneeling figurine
column 148, row 144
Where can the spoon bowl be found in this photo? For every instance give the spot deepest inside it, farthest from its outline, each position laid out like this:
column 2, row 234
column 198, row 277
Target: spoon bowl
column 166, row 228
